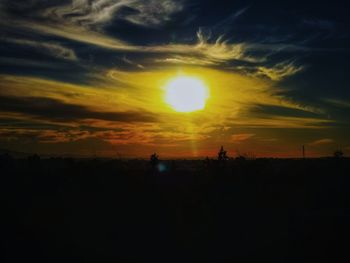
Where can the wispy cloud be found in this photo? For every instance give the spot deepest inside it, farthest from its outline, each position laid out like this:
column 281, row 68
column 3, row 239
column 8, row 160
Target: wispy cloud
column 56, row 110
column 279, row 71
column 132, row 63
column 225, row 24
column 319, row 23
column 220, row 49
column 185, row 60
column 321, row 142
column 338, row 103
column 282, row 122
column 206, row 51
column 101, row 12
column 85, row 21
column 153, row 12
column 32, row 63
column 84, row 12
column 51, row 48
column 68, row 22
column 241, row 137
column 71, row 32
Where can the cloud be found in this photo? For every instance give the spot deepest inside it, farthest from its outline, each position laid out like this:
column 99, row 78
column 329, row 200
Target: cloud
column 84, row 12
column 224, row 25
column 214, row 52
column 132, row 63
column 220, row 50
column 153, row 12
column 235, row 100
column 130, row 110
column 99, row 13
column 206, row 51
column 33, row 63
column 279, row 71
column 292, row 110
column 319, row 23
column 71, row 32
column 186, row 60
column 44, row 135
column 338, row 103
column 321, row 142
column 241, row 137
column 53, row 49
column 84, row 21
column 53, row 109
column 81, row 21
column 273, row 122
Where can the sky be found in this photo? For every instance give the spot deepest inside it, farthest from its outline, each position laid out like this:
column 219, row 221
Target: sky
column 88, row 78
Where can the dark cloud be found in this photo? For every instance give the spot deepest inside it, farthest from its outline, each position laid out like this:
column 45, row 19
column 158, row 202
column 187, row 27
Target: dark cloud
column 55, row 110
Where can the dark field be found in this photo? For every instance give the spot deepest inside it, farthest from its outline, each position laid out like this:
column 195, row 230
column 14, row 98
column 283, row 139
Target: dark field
column 264, row 210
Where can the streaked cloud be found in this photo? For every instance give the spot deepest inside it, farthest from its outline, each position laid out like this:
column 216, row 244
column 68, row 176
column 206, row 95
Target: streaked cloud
column 279, row 71
column 55, row 110
column 321, row 142
column 154, row 12
column 206, row 51
column 338, row 102
column 101, row 12
column 53, row 49
column 185, row 60
column 241, row 137
column 319, row 23
column 276, row 122
column 132, row 63
column 82, row 21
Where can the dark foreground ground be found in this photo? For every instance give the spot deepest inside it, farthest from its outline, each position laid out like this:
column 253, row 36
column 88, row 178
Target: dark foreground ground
column 60, row 210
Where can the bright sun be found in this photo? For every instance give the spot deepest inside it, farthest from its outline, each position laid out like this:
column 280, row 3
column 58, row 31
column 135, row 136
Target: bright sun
column 186, row 94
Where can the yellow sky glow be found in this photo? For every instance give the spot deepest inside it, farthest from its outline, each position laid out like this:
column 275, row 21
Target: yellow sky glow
column 232, row 97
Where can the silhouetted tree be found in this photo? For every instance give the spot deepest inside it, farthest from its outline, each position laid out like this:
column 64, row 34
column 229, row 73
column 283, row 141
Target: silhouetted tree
column 154, row 160
column 222, row 155
column 338, row 154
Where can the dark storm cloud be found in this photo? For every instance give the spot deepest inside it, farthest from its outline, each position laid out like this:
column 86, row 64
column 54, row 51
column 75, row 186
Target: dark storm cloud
column 55, row 110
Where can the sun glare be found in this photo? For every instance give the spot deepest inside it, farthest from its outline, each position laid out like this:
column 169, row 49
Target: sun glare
column 186, row 94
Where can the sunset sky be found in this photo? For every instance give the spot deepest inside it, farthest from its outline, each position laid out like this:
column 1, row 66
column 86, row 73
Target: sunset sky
column 90, row 78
